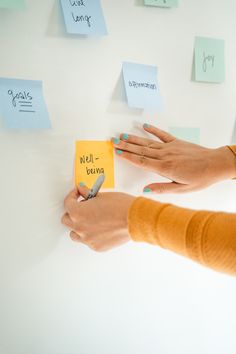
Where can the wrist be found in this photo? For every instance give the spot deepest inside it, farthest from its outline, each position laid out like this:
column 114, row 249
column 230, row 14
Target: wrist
column 224, row 161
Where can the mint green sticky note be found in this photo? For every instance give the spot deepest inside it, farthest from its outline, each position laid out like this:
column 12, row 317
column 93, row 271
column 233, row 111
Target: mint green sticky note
column 186, row 133
column 209, row 60
column 161, row 3
column 12, row 4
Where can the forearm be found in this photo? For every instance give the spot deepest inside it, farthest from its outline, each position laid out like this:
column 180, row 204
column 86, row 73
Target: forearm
column 206, row 237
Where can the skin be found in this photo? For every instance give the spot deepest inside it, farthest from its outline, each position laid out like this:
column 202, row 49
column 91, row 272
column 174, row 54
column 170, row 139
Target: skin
column 102, row 223
column 190, row 167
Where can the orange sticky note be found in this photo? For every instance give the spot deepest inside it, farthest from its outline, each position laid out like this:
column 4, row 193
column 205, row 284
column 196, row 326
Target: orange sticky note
column 92, row 159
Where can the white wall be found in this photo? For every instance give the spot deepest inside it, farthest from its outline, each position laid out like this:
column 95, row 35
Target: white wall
column 59, row 297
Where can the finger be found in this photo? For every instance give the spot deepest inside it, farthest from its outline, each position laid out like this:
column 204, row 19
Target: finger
column 136, row 140
column 161, row 134
column 83, row 190
column 66, row 220
column 141, row 150
column 162, row 188
column 75, row 237
column 71, row 200
column 141, row 161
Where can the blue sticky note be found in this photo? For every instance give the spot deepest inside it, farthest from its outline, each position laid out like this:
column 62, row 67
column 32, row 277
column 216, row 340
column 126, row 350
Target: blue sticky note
column 22, row 105
column 141, row 86
column 161, row 3
column 84, row 17
column 186, row 133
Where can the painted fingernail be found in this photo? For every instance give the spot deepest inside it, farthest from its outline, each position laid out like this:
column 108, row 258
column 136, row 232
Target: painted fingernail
column 119, row 152
column 116, row 141
column 147, row 190
column 146, row 125
column 82, row 184
column 125, row 136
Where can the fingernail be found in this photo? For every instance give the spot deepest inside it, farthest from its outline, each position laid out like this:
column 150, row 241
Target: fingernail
column 147, row 190
column 125, row 136
column 146, row 125
column 82, row 184
column 116, row 141
column 119, row 152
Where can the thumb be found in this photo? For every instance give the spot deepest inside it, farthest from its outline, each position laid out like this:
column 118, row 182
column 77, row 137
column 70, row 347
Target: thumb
column 162, row 188
column 83, row 190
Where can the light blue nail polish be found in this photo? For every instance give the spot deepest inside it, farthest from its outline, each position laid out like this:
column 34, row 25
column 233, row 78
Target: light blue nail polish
column 147, row 190
column 119, row 152
column 146, row 125
column 125, row 136
column 82, row 184
column 116, row 141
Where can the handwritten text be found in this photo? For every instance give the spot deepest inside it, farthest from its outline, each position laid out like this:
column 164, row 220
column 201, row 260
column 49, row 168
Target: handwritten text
column 142, row 84
column 207, row 59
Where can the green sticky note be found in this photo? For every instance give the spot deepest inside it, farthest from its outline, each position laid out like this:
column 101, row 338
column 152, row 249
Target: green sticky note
column 209, row 60
column 12, row 4
column 161, row 3
column 186, row 133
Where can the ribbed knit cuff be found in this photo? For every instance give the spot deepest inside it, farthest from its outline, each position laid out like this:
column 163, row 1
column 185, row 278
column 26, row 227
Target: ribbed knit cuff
column 161, row 224
column 143, row 218
column 233, row 149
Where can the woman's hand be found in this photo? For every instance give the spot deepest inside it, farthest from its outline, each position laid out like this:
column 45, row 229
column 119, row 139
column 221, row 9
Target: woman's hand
column 190, row 167
column 102, row 222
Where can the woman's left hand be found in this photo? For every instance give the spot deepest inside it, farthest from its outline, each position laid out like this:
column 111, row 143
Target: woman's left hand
column 102, row 222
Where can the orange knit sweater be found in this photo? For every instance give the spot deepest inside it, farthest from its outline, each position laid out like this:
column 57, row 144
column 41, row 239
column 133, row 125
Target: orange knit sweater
column 204, row 236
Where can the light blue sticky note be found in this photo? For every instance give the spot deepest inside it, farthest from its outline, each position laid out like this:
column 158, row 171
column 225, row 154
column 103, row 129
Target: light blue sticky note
column 12, row 4
column 141, row 86
column 209, row 60
column 161, row 3
column 22, row 105
column 84, row 17
column 186, row 133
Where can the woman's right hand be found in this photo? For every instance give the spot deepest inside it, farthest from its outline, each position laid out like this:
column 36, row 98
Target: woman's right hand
column 190, row 167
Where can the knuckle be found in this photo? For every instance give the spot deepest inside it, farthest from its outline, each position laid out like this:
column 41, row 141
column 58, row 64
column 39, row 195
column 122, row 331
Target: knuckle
column 143, row 151
column 73, row 215
column 80, row 227
column 151, row 145
column 124, row 146
column 73, row 236
column 92, row 245
column 98, row 248
column 142, row 160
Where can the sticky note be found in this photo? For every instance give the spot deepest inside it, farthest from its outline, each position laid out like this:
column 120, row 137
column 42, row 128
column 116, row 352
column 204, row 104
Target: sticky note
column 22, row 105
column 84, row 17
column 141, row 86
column 209, row 60
column 92, row 159
column 161, row 3
column 12, row 4
column 189, row 134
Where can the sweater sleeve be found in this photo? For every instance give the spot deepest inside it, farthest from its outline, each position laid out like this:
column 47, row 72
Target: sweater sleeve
column 206, row 237
column 233, row 148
